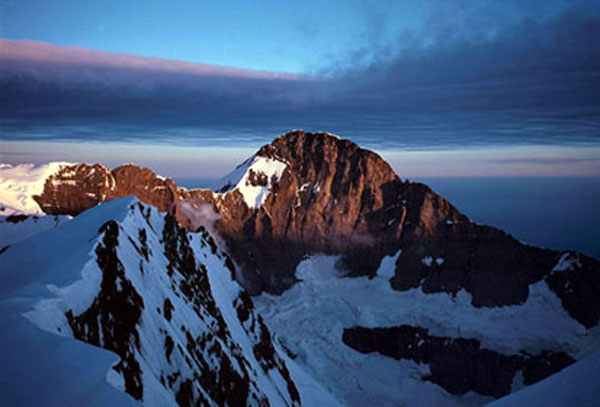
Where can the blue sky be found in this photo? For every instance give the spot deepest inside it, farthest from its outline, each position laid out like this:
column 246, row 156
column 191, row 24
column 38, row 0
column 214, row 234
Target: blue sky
column 279, row 35
column 453, row 87
column 273, row 35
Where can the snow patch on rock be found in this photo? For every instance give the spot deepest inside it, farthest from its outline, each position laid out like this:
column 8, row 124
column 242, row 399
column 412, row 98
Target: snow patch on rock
column 428, row 261
column 253, row 179
column 567, row 261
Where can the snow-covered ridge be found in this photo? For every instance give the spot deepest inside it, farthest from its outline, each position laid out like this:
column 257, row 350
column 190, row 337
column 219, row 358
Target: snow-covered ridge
column 15, row 228
column 31, row 374
column 124, row 277
column 254, row 179
column 20, row 182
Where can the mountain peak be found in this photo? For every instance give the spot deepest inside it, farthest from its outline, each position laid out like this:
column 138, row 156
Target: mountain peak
column 307, row 193
column 298, row 148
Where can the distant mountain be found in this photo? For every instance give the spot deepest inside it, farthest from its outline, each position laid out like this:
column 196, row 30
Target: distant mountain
column 351, row 266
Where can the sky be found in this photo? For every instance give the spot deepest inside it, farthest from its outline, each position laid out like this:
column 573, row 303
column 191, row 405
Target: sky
column 438, row 88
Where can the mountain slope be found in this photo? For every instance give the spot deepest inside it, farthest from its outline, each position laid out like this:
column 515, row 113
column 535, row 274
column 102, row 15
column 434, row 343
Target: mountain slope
column 163, row 301
column 14, row 228
column 577, row 385
column 379, row 288
column 450, row 353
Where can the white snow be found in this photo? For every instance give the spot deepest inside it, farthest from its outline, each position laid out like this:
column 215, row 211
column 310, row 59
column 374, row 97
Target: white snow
column 310, row 318
column 388, row 265
column 38, row 366
column 19, row 183
column 254, row 196
column 428, row 261
column 11, row 232
column 517, row 383
column 567, row 261
column 577, row 385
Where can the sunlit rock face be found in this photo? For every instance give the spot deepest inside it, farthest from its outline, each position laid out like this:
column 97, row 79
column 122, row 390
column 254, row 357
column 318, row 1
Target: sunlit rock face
column 76, row 188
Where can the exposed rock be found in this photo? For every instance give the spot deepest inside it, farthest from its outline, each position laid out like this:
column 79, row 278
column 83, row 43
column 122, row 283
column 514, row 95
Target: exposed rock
column 16, row 218
column 111, row 321
column 576, row 281
column 333, row 197
column 76, row 188
column 457, row 364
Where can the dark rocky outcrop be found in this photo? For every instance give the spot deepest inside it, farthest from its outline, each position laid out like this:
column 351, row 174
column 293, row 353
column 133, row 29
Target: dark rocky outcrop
column 575, row 285
column 17, row 218
column 111, row 321
column 337, row 198
column 457, row 364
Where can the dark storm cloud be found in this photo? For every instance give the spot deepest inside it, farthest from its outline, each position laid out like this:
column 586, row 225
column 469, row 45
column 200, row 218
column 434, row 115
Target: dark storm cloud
column 528, row 81
column 530, row 64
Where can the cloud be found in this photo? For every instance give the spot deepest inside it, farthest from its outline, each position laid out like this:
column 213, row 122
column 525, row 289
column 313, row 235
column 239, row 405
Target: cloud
column 44, row 80
column 199, row 214
column 546, row 160
column 530, row 64
column 463, row 80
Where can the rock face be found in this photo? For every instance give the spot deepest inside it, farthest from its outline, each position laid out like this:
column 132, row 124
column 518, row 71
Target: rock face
column 457, row 364
column 307, row 193
column 76, row 188
column 332, row 197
